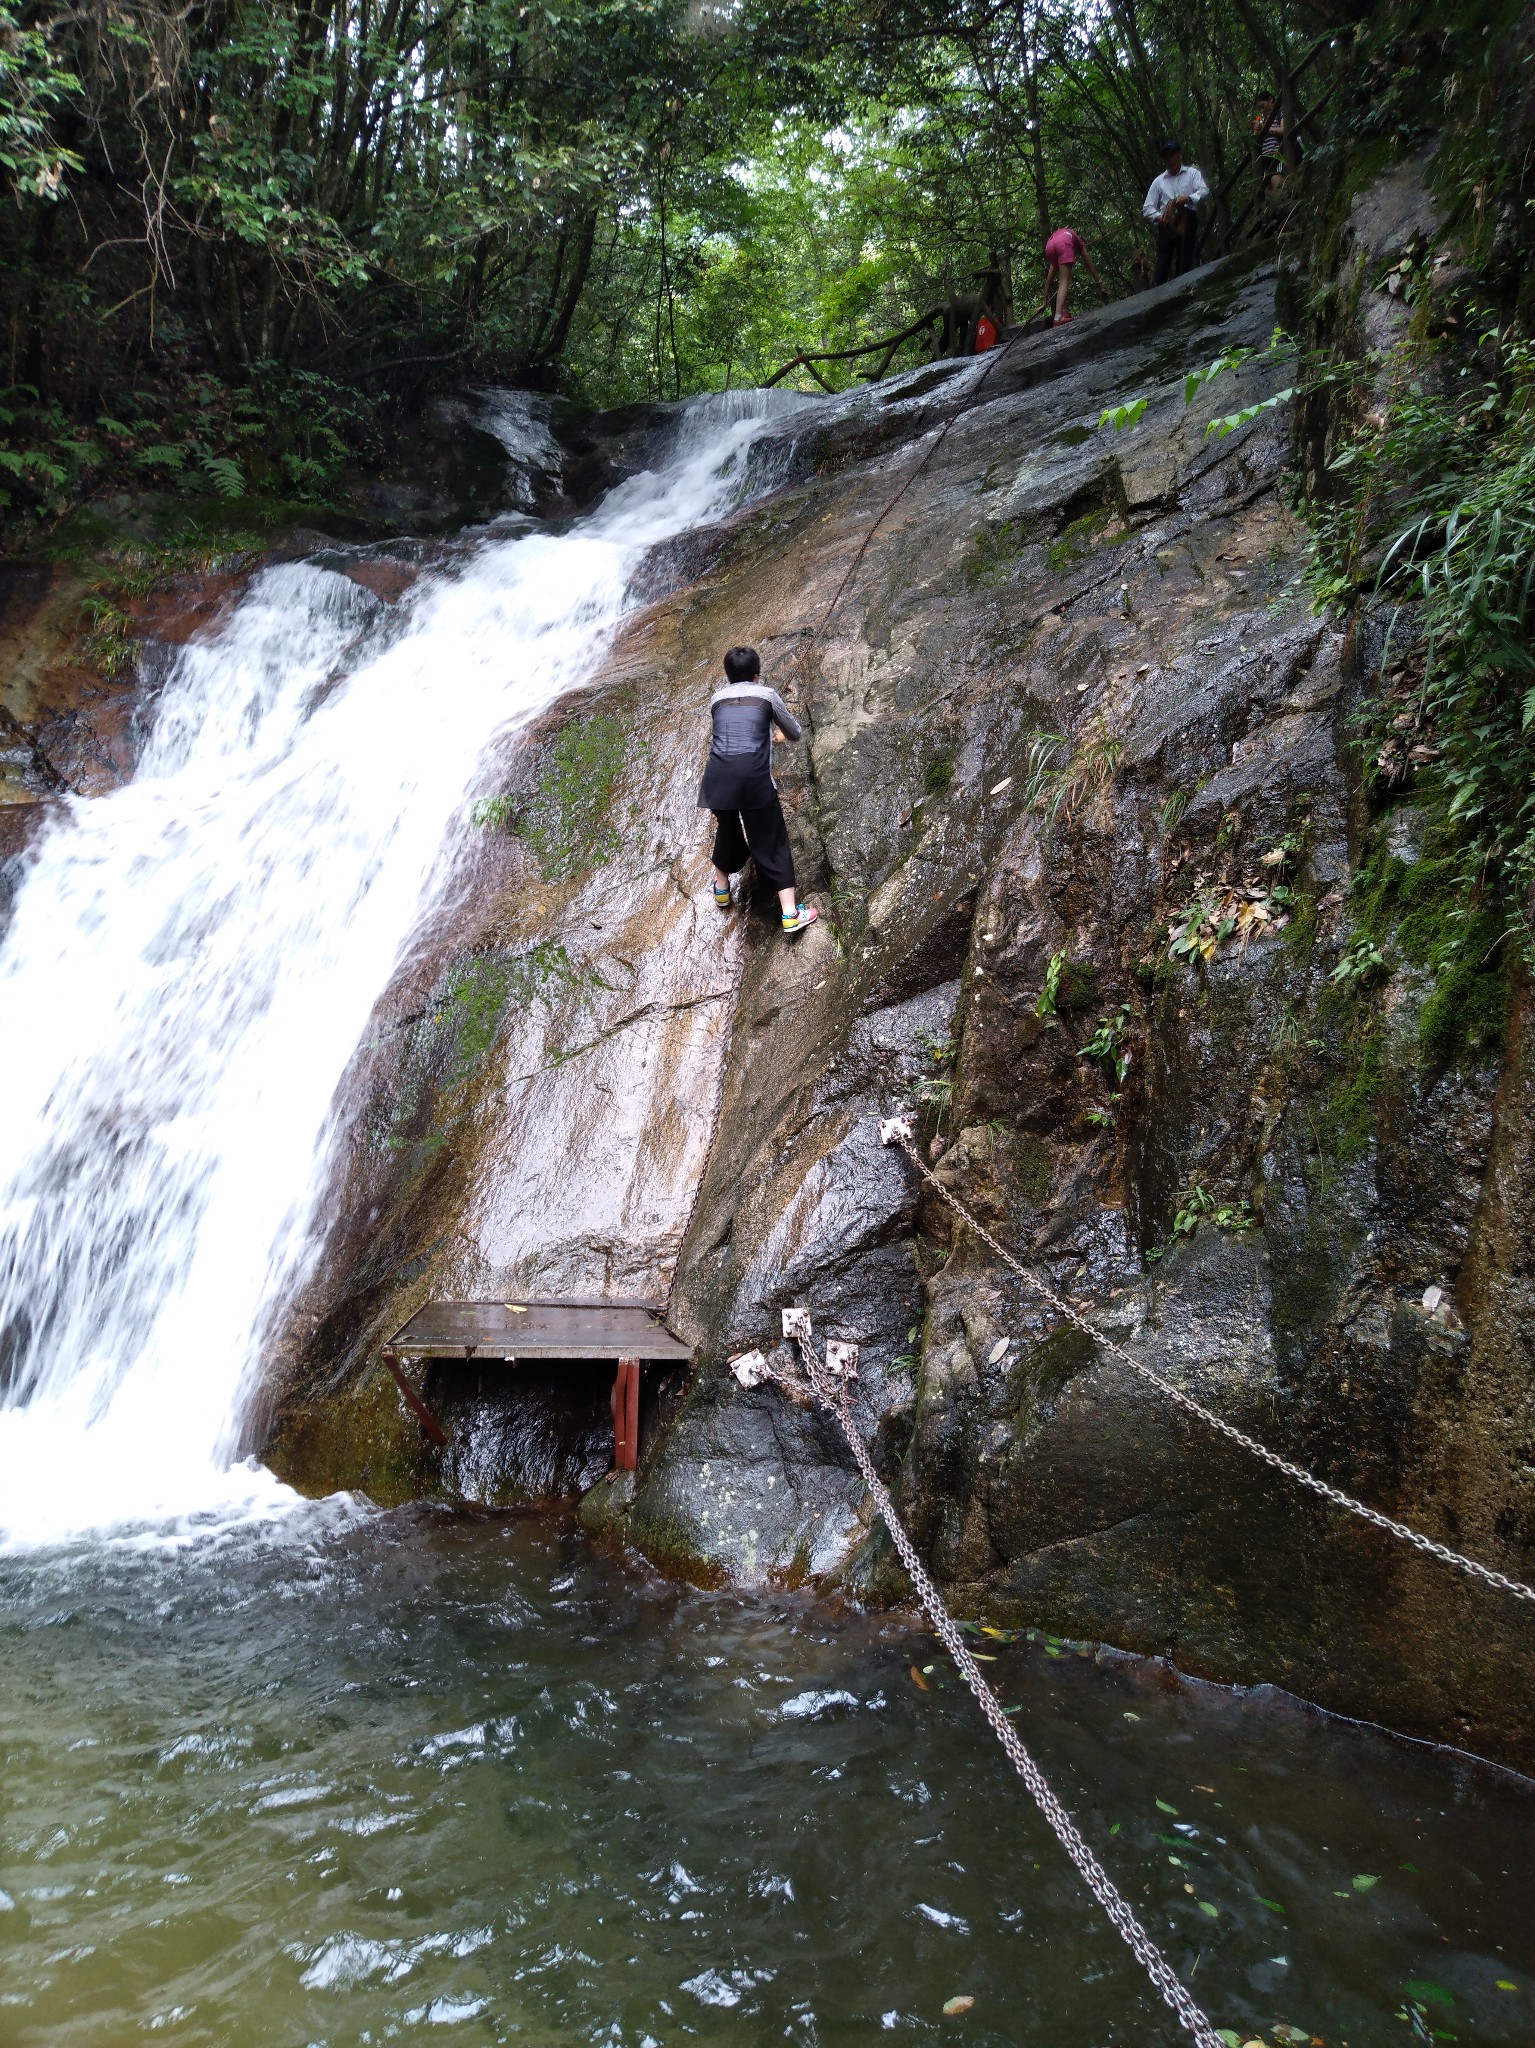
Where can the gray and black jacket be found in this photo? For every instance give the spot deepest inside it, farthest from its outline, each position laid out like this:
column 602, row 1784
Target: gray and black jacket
column 738, row 775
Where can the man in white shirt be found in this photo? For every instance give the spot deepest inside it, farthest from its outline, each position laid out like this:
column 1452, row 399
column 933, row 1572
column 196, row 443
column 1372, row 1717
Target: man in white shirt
column 1175, row 195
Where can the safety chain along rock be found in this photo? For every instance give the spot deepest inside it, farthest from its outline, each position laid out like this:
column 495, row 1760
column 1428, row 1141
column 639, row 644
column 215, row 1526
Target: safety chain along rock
column 828, row 1384
column 897, row 1131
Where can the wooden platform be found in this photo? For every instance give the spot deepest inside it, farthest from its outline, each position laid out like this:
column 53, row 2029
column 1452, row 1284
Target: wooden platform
column 539, row 1329
column 631, row 1333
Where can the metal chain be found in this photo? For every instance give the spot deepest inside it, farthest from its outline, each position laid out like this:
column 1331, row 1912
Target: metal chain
column 1298, row 1473
column 1092, row 1872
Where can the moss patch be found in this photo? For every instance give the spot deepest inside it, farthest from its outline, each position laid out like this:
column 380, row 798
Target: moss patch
column 567, row 819
column 1421, row 910
column 361, row 1442
column 990, row 557
column 1080, row 538
column 938, row 774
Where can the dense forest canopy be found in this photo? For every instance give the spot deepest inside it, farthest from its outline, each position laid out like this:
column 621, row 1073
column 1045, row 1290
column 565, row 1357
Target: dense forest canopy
column 312, row 209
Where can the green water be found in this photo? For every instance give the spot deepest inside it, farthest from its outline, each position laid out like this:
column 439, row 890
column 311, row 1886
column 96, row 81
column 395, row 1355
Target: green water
column 352, row 1779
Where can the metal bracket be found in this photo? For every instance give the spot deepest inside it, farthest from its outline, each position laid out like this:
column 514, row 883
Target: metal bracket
column 895, row 1130
column 796, row 1324
column 414, row 1402
column 750, row 1368
column 842, row 1360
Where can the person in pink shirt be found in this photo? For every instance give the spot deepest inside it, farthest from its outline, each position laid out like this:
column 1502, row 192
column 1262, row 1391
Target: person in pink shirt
column 1064, row 248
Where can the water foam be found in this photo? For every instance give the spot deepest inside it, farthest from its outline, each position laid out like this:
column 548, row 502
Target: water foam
column 192, row 962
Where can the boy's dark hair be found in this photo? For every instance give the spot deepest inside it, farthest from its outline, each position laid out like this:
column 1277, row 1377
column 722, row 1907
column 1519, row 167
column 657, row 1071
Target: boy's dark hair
column 742, row 664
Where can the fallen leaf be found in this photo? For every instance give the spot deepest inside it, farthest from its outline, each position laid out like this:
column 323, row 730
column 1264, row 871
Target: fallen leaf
column 1213, row 1911
column 1230, row 2036
column 956, row 2005
column 1271, row 859
column 919, row 1681
column 514, row 1308
column 1163, row 1807
column 997, row 1350
column 998, row 787
column 1131, row 1717
column 1504, row 1985
column 1427, row 1993
column 1204, row 1788
column 1281, row 2032
column 1363, row 1882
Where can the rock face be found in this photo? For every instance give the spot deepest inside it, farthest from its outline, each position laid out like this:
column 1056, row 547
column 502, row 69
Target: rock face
column 1078, row 810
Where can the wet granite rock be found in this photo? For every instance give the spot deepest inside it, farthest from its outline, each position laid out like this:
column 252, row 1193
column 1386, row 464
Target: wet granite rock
column 1073, row 694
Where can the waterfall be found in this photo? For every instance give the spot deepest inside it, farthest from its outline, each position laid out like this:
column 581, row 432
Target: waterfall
column 192, row 961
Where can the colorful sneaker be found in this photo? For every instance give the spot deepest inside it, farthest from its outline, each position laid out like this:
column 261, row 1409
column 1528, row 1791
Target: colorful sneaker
column 722, row 896
column 1064, row 319
column 797, row 919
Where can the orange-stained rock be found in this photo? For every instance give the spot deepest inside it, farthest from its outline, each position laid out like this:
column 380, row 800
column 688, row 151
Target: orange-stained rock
column 386, row 579
column 189, row 607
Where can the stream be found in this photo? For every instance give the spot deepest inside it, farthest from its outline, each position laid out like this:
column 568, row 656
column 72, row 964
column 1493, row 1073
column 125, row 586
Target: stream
column 290, row 1772
column 353, row 1776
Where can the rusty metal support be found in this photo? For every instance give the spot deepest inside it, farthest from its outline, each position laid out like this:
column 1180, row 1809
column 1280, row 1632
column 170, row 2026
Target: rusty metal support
column 626, row 1415
column 415, row 1404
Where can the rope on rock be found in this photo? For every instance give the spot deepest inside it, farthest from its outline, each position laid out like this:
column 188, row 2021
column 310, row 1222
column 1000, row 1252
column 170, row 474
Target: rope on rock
column 897, row 1131
column 828, row 1385
column 969, row 399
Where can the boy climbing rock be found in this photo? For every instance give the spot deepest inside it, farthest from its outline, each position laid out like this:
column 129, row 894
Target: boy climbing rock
column 738, row 785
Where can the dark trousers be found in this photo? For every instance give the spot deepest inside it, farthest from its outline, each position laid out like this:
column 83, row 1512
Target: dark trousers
column 1175, row 248
column 761, row 832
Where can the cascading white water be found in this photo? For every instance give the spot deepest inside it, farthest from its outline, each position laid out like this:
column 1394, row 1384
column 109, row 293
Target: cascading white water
column 192, row 961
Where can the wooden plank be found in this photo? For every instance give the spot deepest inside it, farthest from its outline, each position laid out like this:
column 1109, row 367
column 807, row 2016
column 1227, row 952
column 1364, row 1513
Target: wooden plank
column 539, row 1329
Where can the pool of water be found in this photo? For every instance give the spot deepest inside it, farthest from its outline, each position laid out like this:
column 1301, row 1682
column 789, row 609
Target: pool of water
column 355, row 1776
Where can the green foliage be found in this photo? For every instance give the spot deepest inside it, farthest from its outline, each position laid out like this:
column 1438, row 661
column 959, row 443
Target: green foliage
column 1436, row 515
column 1417, row 913
column 1171, row 813
column 1049, row 995
column 1121, row 416
column 35, row 85
column 1108, row 1043
column 1362, row 960
column 937, row 1088
column 567, row 820
column 627, row 198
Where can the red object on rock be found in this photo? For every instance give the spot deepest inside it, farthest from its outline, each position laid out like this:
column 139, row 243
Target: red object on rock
column 626, row 1415
column 986, row 335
